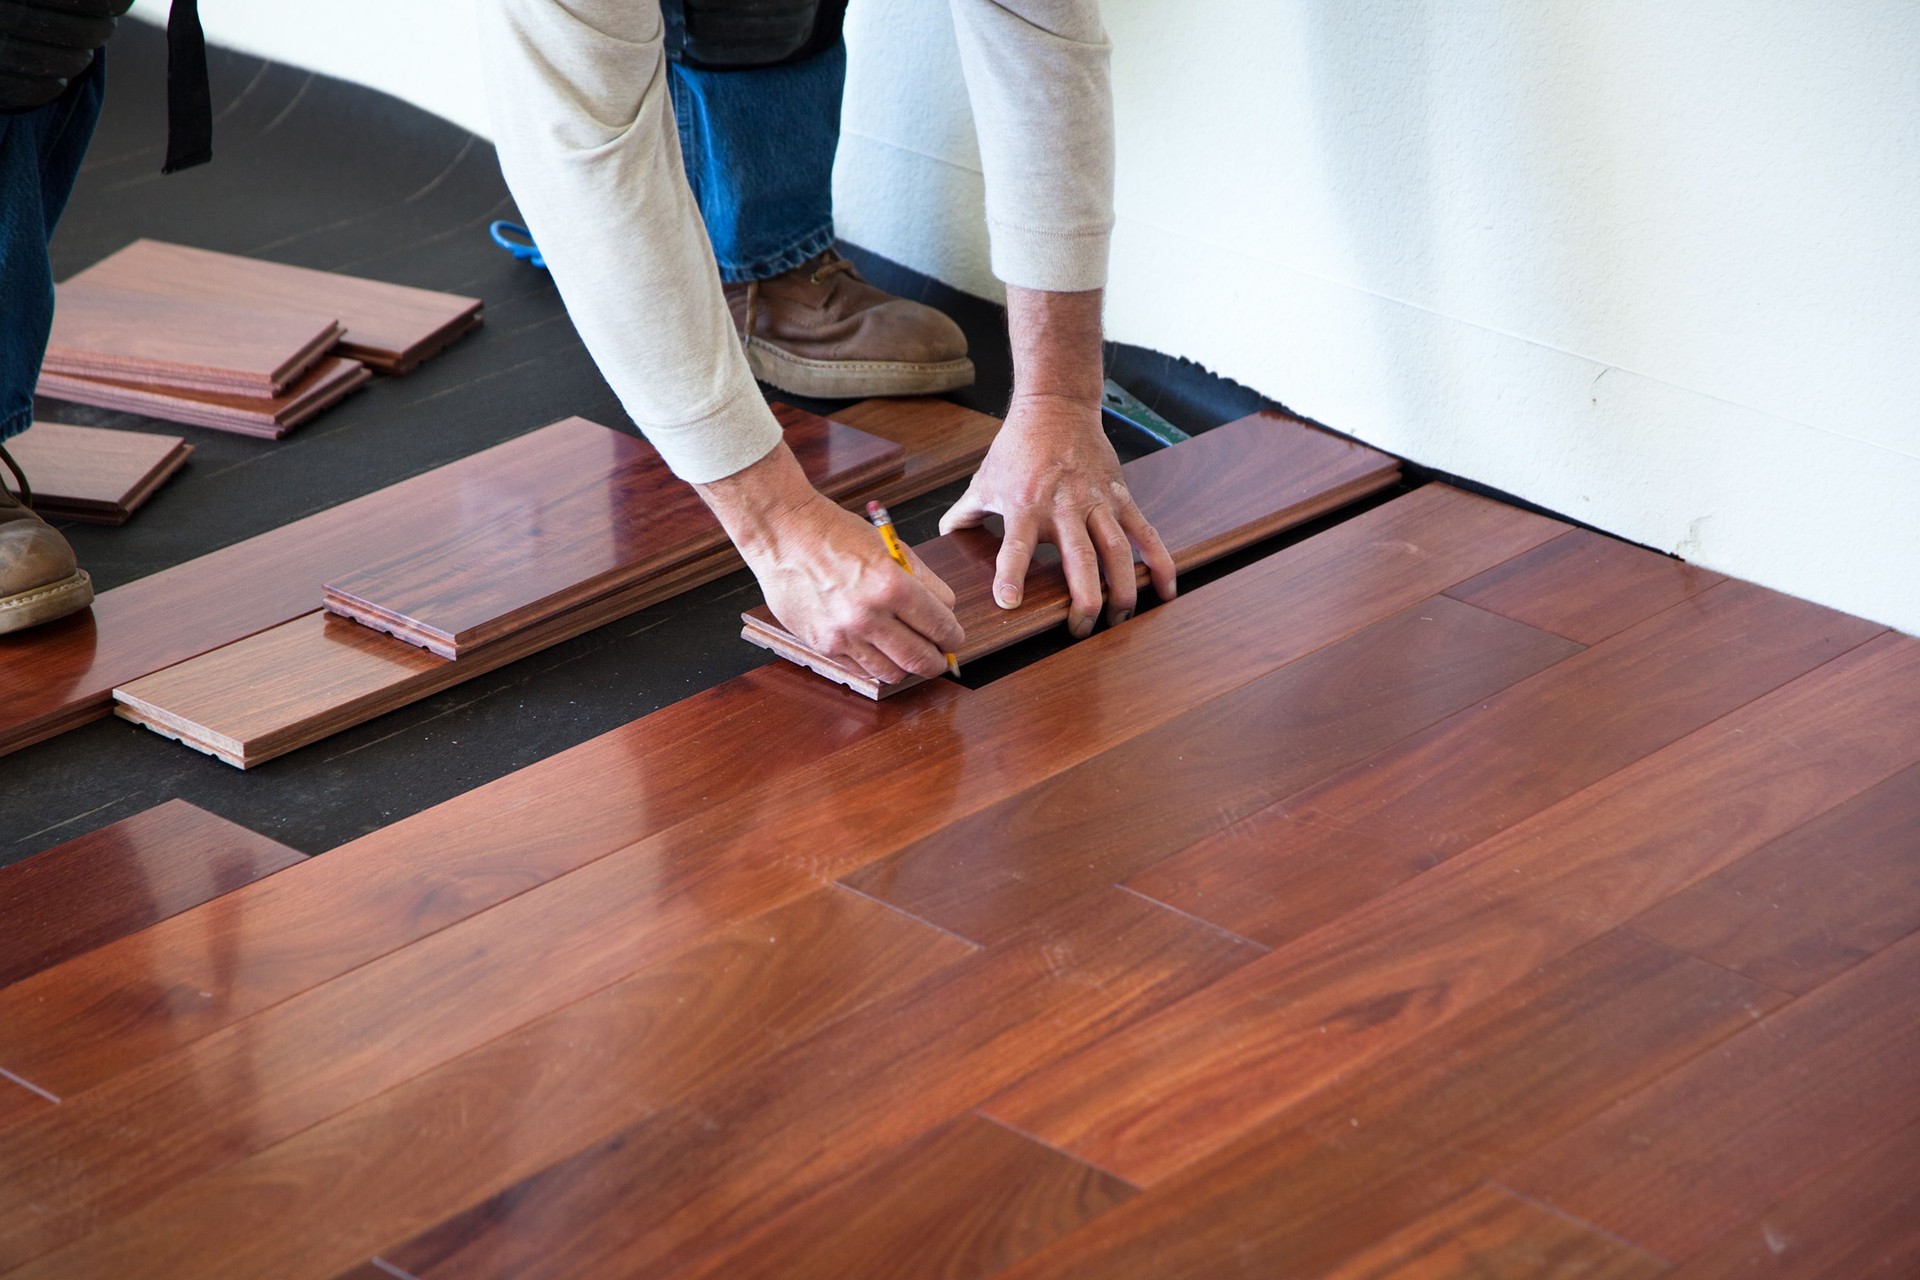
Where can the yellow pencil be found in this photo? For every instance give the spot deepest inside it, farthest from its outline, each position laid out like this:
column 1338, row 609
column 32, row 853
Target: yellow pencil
column 884, row 523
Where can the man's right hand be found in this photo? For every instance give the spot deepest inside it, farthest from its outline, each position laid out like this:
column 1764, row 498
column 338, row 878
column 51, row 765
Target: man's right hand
column 827, row 575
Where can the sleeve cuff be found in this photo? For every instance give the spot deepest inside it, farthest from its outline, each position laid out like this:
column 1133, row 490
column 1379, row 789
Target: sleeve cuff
column 1056, row 261
column 731, row 438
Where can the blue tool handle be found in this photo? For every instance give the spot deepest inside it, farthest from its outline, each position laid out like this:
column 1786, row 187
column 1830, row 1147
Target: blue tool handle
column 524, row 248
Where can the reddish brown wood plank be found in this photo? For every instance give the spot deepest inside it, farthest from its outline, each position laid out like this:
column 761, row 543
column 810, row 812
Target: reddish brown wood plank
column 92, row 474
column 628, row 1050
column 1859, row 1221
column 1585, row 586
column 1492, row 1234
column 1695, row 1154
column 1313, row 856
column 1814, row 902
column 271, row 417
column 533, row 546
column 101, row 332
column 1102, row 820
column 943, row 441
column 1222, row 490
column 1153, row 1099
column 123, row 878
column 389, row 326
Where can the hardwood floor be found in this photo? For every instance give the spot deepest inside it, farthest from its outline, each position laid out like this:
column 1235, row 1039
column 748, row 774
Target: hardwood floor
column 1449, row 894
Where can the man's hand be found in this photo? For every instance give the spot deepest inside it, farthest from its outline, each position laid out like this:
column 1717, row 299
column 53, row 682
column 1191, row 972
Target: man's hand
column 1051, row 474
column 827, row 575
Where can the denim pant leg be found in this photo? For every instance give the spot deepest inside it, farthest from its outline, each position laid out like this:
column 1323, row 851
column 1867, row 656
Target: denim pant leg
column 758, row 146
column 40, row 154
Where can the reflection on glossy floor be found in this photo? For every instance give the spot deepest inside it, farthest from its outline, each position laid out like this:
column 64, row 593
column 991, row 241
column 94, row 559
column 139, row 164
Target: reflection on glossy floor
column 1451, row 893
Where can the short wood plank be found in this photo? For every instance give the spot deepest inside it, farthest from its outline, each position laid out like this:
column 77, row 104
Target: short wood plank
column 753, row 986
column 391, row 327
column 1692, row 1156
column 181, row 342
column 330, row 381
column 1814, row 902
column 1492, row 1234
column 1220, row 491
column 1585, row 586
column 1316, row 855
column 1858, row 1221
column 122, row 878
column 1151, row 1100
column 944, row 442
column 92, row 474
column 1100, row 821
column 528, row 548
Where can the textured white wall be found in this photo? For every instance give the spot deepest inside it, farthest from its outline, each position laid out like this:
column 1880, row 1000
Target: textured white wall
column 1655, row 266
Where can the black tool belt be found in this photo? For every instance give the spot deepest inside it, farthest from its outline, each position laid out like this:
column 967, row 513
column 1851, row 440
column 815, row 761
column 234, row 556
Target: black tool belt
column 736, row 35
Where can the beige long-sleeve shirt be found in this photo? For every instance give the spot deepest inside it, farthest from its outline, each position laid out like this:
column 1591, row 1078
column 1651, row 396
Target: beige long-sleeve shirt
column 585, row 131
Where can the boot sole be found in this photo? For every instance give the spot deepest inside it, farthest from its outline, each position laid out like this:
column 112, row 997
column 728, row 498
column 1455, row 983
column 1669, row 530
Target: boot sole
column 44, row 604
column 853, row 379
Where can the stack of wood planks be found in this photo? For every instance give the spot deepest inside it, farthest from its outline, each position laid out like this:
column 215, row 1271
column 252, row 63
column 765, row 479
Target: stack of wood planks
column 234, row 343
column 1451, row 893
column 92, row 474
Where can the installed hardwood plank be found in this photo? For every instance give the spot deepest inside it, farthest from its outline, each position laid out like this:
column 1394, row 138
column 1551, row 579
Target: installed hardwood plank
column 1858, row 1221
column 389, row 326
column 536, row 545
column 123, row 878
column 1585, row 586
column 1695, row 1154
column 632, row 1048
column 1313, row 856
column 101, row 332
column 1814, row 902
column 1492, row 1234
column 1154, row 1098
column 92, row 474
column 1119, row 811
column 320, row 388
column 1220, row 491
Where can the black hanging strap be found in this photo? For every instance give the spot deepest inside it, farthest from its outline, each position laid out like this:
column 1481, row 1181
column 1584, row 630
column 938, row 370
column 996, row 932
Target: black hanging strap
column 189, row 100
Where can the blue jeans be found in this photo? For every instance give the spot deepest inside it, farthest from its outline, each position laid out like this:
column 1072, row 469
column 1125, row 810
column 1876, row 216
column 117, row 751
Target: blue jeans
column 758, row 147
column 40, row 153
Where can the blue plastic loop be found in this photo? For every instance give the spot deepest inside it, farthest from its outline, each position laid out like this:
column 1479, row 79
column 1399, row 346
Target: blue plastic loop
column 526, row 252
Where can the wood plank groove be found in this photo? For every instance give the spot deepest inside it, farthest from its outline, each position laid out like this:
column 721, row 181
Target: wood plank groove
column 1313, row 856
column 194, row 344
column 1492, row 1234
column 1585, row 586
column 330, row 381
column 92, row 474
column 1223, row 490
column 1096, row 823
column 1151, row 1100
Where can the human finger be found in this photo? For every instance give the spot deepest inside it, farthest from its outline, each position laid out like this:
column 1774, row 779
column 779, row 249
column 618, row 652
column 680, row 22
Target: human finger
column 1082, row 566
column 1153, row 551
column 1111, row 544
column 1016, row 554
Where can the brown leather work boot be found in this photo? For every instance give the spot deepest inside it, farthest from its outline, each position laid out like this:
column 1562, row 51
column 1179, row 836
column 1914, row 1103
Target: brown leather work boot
column 39, row 579
column 820, row 330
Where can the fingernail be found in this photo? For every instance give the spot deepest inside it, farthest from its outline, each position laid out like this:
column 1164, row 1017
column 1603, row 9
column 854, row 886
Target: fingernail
column 1122, row 616
column 1008, row 595
column 1080, row 628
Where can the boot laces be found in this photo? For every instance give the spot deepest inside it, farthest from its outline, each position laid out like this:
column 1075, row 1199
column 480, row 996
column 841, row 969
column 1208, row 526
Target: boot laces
column 833, row 266
column 19, row 478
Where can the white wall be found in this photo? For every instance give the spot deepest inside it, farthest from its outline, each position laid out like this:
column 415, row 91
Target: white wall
column 1655, row 266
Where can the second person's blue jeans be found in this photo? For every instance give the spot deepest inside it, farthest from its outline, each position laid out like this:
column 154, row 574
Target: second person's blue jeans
column 758, row 146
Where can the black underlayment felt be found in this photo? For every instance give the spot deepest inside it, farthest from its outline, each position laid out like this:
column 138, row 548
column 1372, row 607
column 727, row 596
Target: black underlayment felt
column 326, row 174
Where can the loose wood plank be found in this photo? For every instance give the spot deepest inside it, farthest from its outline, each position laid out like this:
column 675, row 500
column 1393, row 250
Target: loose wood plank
column 122, row 878
column 1313, row 856
column 1153, row 1099
column 1814, row 902
column 531, row 547
column 943, row 441
column 92, row 474
column 1220, row 491
column 1096, row 823
column 1492, row 1234
column 1585, row 586
column 632, row 1048
column 206, row 346
column 1714, row 1143
column 388, row 326
column 330, row 381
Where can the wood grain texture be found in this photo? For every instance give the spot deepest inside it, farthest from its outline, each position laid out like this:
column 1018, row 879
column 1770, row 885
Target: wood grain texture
column 1313, row 856
column 943, row 441
column 751, row 987
column 1098, row 822
column 182, row 342
column 1814, row 902
column 533, row 545
column 1585, row 586
column 1492, row 1234
column 122, row 878
column 1858, row 1221
column 388, row 326
column 92, row 474
column 1382, row 1149
column 330, row 381
column 105, row 1013
column 1695, row 1154
column 1220, row 491
column 1148, row 1101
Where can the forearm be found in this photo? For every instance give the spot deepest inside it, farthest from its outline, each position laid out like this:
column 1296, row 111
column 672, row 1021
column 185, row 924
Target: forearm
column 1056, row 343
